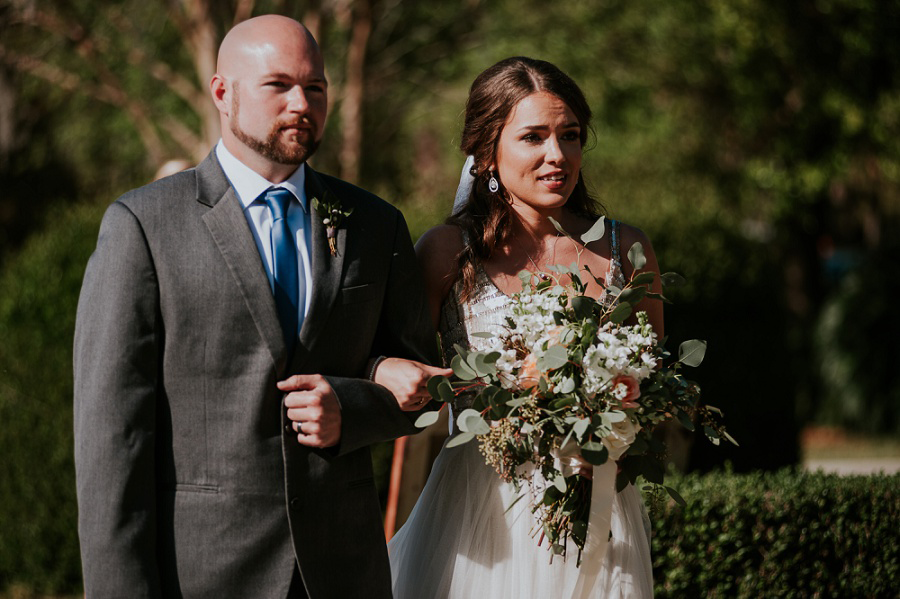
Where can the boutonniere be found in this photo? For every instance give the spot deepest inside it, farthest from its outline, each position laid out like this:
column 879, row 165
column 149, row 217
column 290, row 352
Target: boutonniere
column 332, row 214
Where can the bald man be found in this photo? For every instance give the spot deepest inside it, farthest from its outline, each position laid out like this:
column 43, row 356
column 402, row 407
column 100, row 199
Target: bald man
column 224, row 333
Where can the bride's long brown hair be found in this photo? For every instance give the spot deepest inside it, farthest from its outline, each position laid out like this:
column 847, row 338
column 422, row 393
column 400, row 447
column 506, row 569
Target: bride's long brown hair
column 486, row 217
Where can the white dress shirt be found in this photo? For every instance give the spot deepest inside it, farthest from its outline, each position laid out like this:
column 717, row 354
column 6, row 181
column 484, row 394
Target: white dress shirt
column 250, row 187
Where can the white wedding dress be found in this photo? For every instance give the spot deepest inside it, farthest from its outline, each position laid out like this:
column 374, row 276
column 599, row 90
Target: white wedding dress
column 461, row 541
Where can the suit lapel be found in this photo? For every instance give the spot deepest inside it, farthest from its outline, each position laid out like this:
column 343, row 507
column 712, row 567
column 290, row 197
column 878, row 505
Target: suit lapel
column 326, row 269
column 229, row 229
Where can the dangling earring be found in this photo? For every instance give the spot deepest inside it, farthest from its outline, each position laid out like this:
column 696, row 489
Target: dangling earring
column 493, row 184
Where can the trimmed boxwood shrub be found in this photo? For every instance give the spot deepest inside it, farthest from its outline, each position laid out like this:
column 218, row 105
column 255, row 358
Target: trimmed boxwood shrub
column 781, row 534
column 38, row 295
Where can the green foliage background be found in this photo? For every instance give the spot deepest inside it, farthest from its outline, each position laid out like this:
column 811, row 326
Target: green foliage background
column 779, row 534
column 757, row 143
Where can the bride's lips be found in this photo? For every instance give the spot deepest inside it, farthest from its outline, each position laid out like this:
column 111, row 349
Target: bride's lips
column 554, row 180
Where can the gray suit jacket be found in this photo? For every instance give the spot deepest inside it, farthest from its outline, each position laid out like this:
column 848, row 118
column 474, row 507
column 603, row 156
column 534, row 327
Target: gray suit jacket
column 190, row 481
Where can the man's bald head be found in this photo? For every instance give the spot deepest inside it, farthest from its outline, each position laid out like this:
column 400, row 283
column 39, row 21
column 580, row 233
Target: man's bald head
column 271, row 93
column 251, row 36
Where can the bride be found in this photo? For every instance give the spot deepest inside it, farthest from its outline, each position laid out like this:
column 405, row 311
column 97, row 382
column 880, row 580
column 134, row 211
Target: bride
column 526, row 124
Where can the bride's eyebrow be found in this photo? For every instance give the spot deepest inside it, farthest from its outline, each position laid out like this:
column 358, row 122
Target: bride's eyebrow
column 528, row 128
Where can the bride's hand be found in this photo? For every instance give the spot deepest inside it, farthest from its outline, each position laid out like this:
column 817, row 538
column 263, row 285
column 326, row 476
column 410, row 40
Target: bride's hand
column 407, row 380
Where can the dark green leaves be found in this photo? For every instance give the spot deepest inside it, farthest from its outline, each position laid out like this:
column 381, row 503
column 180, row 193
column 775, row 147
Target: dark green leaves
column 595, row 453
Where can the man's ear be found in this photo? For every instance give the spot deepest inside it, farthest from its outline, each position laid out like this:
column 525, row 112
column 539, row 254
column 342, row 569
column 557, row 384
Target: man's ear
column 218, row 88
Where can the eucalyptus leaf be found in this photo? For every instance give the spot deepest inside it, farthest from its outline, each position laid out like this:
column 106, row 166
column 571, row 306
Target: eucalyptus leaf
column 579, row 529
column 620, row 313
column 426, row 419
column 676, row 496
column 555, row 357
column 543, row 385
column 563, row 402
column 643, row 278
column 672, row 279
column 638, row 447
column 691, row 353
column 730, row 439
column 583, row 306
column 633, row 295
column 433, row 384
column 614, row 416
column 460, row 439
column 516, row 403
column 470, row 421
column 636, row 256
column 685, row 420
column 597, row 230
column 558, row 227
column 595, row 453
column 445, row 391
column 580, row 427
column 461, row 369
column 525, row 277
column 483, row 335
column 560, row 483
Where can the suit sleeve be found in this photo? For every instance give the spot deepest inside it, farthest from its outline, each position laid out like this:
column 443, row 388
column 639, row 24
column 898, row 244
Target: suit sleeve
column 369, row 411
column 117, row 340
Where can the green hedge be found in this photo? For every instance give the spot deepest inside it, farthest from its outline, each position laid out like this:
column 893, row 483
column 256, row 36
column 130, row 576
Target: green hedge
column 781, row 534
column 38, row 295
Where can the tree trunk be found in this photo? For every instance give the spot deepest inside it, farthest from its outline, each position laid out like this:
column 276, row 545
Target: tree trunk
column 354, row 87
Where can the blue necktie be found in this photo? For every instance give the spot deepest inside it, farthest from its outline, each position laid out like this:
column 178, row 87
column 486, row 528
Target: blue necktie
column 284, row 256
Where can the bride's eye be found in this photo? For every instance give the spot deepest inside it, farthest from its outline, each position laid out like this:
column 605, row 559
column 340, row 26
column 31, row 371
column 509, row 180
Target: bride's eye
column 531, row 138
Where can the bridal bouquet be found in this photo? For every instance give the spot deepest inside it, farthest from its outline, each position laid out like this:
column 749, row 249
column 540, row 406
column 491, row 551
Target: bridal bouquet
column 566, row 385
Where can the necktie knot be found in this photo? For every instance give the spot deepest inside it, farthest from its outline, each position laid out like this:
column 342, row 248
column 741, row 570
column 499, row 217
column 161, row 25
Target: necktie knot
column 278, row 200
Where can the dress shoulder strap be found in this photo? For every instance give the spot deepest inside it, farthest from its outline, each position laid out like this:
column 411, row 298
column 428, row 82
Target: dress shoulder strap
column 615, row 259
column 614, row 274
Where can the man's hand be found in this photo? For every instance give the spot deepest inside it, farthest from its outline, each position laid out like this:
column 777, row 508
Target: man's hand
column 314, row 409
column 407, row 380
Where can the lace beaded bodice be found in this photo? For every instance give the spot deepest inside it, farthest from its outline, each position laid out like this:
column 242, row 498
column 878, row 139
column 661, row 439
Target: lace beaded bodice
column 488, row 306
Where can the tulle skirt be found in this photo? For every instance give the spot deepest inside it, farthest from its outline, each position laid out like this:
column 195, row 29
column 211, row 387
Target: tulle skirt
column 461, row 541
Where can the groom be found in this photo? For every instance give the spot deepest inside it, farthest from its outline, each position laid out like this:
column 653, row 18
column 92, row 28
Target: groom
column 222, row 428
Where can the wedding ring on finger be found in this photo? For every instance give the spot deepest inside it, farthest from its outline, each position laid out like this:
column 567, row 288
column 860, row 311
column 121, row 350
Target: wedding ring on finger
column 298, row 427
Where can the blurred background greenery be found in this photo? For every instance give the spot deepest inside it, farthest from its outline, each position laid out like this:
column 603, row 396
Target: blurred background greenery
column 757, row 143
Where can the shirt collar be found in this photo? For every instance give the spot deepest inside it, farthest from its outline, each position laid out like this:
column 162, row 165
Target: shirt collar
column 249, row 185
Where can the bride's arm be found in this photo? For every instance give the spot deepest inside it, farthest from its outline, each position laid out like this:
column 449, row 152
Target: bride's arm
column 437, row 252
column 653, row 308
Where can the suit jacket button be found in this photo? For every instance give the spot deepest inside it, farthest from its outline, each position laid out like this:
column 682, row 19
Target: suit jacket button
column 289, row 428
column 295, row 503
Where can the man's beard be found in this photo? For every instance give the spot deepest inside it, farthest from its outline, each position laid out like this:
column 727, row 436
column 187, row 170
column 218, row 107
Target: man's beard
column 272, row 147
